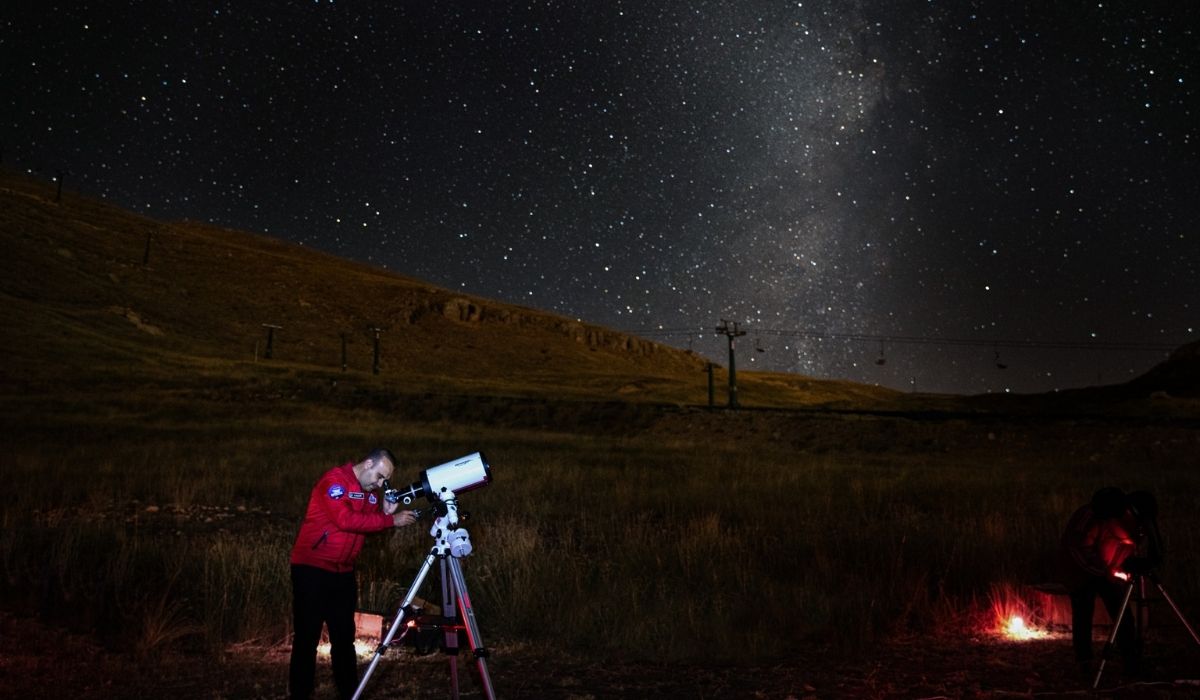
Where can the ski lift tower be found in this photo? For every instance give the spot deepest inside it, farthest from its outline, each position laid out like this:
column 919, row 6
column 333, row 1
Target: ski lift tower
column 730, row 334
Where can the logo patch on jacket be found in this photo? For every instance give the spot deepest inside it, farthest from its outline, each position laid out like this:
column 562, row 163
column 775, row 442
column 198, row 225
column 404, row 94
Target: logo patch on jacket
column 337, row 491
column 356, row 495
column 372, row 500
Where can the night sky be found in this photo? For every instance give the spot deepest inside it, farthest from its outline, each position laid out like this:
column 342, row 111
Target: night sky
column 937, row 195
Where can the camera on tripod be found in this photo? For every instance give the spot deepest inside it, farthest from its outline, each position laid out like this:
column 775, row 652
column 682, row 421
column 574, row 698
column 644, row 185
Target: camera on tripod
column 439, row 483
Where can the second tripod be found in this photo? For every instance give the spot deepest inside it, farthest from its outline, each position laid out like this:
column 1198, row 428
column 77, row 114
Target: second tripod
column 451, row 543
column 1138, row 583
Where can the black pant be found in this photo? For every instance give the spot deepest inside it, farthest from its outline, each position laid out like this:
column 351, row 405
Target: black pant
column 1083, row 605
column 323, row 597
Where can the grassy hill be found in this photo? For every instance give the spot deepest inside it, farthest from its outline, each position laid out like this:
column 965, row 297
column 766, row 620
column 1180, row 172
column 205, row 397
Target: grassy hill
column 97, row 295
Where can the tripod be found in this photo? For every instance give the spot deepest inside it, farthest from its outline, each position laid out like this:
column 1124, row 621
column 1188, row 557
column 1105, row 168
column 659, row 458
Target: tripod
column 1138, row 582
column 451, row 542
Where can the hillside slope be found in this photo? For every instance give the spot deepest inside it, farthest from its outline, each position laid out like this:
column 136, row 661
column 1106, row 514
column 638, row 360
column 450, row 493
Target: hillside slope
column 93, row 293
column 1178, row 376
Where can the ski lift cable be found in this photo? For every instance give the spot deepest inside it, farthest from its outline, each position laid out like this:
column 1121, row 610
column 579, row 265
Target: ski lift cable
column 994, row 343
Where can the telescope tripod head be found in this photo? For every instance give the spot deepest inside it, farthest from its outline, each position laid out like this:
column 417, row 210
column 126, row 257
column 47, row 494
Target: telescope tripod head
column 1136, row 569
column 450, row 538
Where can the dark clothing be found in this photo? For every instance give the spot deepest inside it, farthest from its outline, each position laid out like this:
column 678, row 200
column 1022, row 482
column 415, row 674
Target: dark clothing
column 1083, row 607
column 329, row 598
column 324, row 590
column 1093, row 549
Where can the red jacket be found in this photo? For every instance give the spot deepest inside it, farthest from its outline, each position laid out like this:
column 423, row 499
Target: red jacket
column 340, row 515
column 1094, row 547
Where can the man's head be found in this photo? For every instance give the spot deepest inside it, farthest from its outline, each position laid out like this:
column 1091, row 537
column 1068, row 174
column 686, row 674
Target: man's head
column 375, row 469
column 1144, row 505
column 1109, row 502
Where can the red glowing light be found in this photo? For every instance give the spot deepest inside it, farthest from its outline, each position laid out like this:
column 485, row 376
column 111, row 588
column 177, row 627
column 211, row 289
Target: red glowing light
column 1011, row 615
column 1017, row 629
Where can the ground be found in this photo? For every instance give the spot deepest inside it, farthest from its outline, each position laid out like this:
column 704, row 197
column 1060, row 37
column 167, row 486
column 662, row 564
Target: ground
column 40, row 662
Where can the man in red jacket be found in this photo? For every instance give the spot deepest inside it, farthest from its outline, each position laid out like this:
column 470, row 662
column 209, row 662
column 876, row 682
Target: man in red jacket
column 343, row 508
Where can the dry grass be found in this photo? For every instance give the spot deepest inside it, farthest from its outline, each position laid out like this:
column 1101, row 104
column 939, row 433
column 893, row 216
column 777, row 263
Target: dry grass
column 622, row 518
column 603, row 542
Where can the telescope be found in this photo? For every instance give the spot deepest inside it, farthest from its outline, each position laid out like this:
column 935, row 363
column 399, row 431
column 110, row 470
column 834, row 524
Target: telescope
column 444, row 481
column 441, row 486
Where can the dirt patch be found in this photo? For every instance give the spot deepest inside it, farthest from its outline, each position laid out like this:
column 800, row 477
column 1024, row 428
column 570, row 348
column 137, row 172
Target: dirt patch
column 136, row 319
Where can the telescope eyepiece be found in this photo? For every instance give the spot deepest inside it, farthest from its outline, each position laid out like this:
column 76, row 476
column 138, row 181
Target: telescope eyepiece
column 391, row 495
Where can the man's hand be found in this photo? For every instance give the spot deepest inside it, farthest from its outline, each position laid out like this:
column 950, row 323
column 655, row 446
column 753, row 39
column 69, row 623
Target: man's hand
column 404, row 517
column 389, row 507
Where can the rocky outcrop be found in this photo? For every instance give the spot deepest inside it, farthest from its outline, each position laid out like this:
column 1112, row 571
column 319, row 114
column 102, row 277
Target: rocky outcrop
column 463, row 310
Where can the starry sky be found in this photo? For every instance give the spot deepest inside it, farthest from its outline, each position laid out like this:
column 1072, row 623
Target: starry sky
column 930, row 195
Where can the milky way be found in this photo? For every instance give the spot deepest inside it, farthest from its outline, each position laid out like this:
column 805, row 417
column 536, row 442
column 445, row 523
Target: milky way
column 940, row 196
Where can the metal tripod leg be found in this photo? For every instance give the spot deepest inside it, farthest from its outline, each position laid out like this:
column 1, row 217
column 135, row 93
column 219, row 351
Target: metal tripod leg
column 1178, row 613
column 1112, row 638
column 404, row 608
column 450, row 640
column 473, row 637
column 1124, row 606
